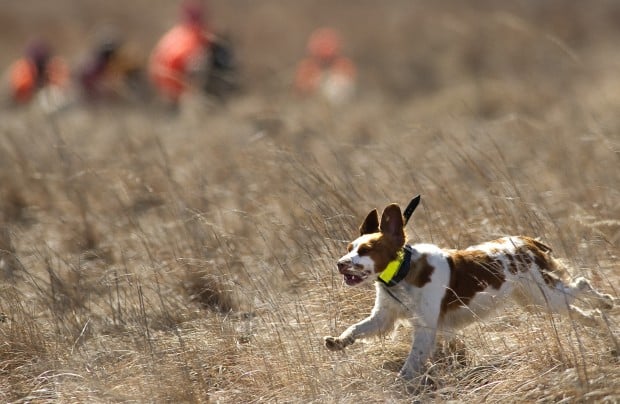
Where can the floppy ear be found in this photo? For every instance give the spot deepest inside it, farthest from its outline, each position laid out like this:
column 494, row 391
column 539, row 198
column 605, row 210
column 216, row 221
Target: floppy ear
column 371, row 223
column 392, row 223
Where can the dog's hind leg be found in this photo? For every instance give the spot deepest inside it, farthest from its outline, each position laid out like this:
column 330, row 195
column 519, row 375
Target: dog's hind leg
column 600, row 300
column 560, row 297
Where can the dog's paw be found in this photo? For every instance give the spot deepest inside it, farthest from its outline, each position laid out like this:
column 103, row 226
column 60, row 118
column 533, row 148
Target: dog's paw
column 607, row 302
column 406, row 375
column 334, row 343
column 416, row 383
column 412, row 368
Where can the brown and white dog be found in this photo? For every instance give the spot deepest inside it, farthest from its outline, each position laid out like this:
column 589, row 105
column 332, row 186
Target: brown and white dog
column 442, row 290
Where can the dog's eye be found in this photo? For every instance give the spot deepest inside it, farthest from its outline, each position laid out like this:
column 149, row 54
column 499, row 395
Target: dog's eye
column 363, row 249
column 349, row 247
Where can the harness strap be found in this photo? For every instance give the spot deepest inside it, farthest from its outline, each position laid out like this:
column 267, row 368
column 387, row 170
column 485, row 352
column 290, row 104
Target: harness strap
column 393, row 296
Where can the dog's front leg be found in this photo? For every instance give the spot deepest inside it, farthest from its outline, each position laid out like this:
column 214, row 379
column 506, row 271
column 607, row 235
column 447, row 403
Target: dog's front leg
column 380, row 322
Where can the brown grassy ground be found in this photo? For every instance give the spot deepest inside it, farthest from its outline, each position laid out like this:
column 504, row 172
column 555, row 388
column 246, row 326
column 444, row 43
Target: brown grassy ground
column 149, row 257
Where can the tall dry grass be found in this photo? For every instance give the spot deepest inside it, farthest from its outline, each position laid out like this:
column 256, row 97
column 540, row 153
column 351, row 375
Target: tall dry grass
column 153, row 257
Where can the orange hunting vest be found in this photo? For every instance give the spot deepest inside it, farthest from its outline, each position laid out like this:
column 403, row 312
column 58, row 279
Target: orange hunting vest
column 171, row 59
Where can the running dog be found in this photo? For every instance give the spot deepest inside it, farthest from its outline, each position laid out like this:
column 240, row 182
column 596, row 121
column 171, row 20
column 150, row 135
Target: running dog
column 441, row 289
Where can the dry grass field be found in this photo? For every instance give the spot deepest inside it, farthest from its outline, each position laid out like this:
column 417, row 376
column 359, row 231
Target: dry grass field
column 153, row 257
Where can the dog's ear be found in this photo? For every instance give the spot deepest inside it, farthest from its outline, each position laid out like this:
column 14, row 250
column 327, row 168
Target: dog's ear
column 371, row 223
column 392, row 223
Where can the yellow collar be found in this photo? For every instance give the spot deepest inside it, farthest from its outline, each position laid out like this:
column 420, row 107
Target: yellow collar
column 395, row 271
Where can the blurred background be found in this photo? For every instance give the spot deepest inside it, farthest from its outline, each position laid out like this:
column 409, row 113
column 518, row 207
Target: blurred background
column 402, row 49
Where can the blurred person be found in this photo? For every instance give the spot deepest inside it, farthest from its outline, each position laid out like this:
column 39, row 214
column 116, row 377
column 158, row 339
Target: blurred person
column 37, row 70
column 179, row 58
column 113, row 71
column 324, row 70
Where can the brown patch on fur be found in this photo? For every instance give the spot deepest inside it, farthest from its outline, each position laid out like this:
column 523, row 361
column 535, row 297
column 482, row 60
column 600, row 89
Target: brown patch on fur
column 370, row 224
column 540, row 254
column 392, row 224
column 384, row 246
column 471, row 271
column 381, row 250
column 499, row 241
column 535, row 252
column 538, row 244
column 517, row 262
column 420, row 272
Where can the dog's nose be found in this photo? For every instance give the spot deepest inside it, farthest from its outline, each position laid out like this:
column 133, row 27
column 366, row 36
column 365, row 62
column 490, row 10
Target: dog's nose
column 342, row 265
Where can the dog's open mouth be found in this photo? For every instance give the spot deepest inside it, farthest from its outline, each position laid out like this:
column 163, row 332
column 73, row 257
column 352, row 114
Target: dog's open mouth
column 352, row 280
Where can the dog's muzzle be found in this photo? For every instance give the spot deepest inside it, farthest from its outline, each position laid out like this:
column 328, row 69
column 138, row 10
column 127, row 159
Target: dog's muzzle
column 351, row 273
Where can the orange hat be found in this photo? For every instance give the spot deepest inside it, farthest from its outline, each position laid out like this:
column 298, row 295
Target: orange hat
column 324, row 43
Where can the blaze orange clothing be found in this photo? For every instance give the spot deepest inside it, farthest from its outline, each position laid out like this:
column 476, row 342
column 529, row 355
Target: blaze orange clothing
column 173, row 56
column 311, row 73
column 25, row 80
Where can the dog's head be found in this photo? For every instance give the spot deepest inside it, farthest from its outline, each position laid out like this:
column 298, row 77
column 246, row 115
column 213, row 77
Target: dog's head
column 378, row 244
